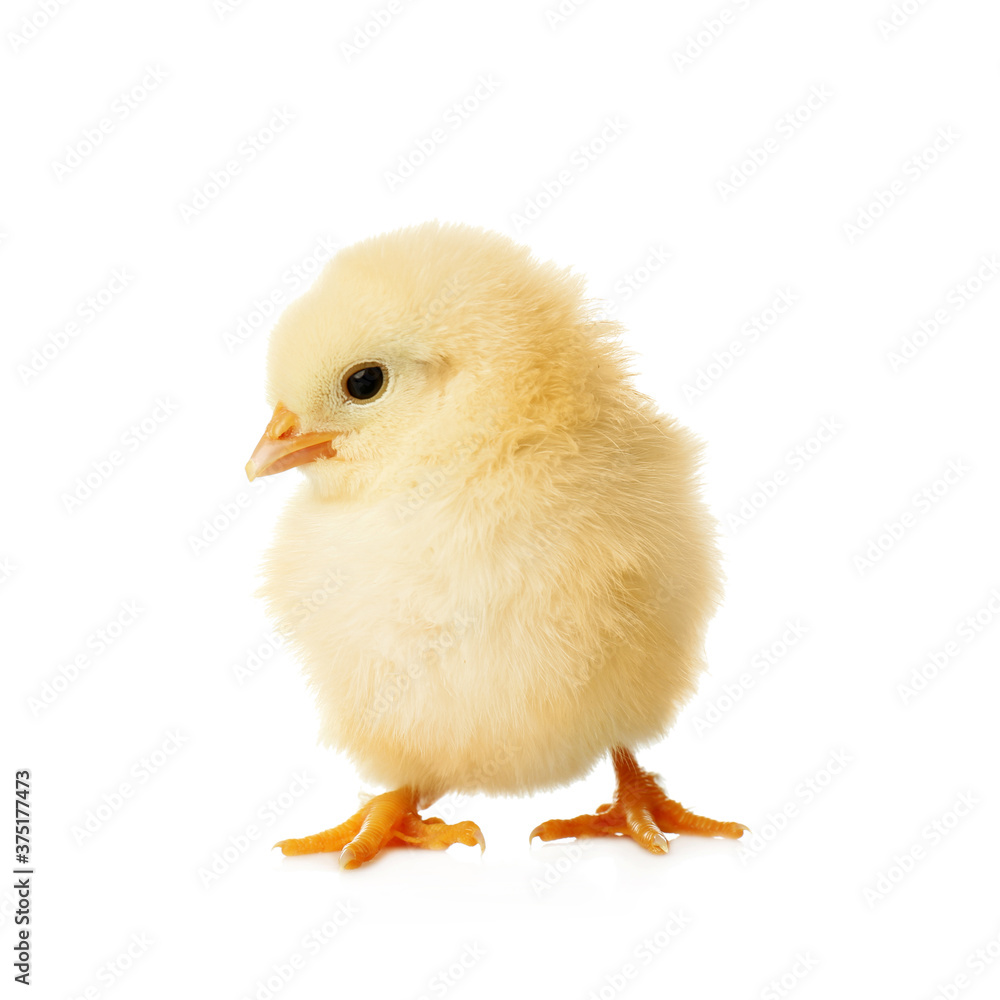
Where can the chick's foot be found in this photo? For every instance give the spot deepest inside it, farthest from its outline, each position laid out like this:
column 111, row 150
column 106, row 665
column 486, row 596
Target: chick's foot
column 389, row 818
column 640, row 810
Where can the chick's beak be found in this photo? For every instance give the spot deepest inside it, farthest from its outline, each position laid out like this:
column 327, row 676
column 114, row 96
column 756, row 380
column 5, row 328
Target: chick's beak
column 283, row 447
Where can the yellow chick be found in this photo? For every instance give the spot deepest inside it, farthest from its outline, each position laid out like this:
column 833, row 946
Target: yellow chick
column 498, row 568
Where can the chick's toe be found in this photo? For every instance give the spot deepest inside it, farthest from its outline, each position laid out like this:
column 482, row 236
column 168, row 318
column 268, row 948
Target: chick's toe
column 640, row 810
column 387, row 819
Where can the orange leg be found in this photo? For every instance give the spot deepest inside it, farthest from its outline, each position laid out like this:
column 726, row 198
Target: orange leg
column 640, row 810
column 382, row 820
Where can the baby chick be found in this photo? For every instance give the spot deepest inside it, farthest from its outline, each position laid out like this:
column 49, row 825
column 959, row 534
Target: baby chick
column 498, row 568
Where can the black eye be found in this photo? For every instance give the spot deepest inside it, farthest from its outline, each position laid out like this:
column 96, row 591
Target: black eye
column 365, row 383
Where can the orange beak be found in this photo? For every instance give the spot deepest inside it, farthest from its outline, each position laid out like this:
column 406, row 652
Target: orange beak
column 283, row 447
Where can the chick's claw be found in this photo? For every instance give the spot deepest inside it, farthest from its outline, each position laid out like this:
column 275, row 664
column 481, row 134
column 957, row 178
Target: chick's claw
column 387, row 819
column 634, row 823
column 437, row 835
column 641, row 811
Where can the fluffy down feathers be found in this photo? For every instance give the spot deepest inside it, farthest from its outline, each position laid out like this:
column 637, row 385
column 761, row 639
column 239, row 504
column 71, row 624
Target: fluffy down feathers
column 508, row 569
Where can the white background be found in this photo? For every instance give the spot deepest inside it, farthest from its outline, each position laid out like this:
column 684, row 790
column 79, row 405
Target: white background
column 871, row 778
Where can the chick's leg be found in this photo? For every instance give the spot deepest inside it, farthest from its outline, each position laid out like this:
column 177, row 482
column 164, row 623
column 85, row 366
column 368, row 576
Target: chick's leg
column 640, row 810
column 384, row 819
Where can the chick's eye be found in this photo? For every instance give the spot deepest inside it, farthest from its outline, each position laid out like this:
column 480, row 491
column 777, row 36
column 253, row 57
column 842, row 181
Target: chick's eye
column 365, row 383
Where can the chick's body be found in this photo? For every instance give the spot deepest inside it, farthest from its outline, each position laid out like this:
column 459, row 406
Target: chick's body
column 506, row 570
column 500, row 635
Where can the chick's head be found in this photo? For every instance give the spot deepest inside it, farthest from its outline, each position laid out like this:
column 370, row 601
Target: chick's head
column 423, row 347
